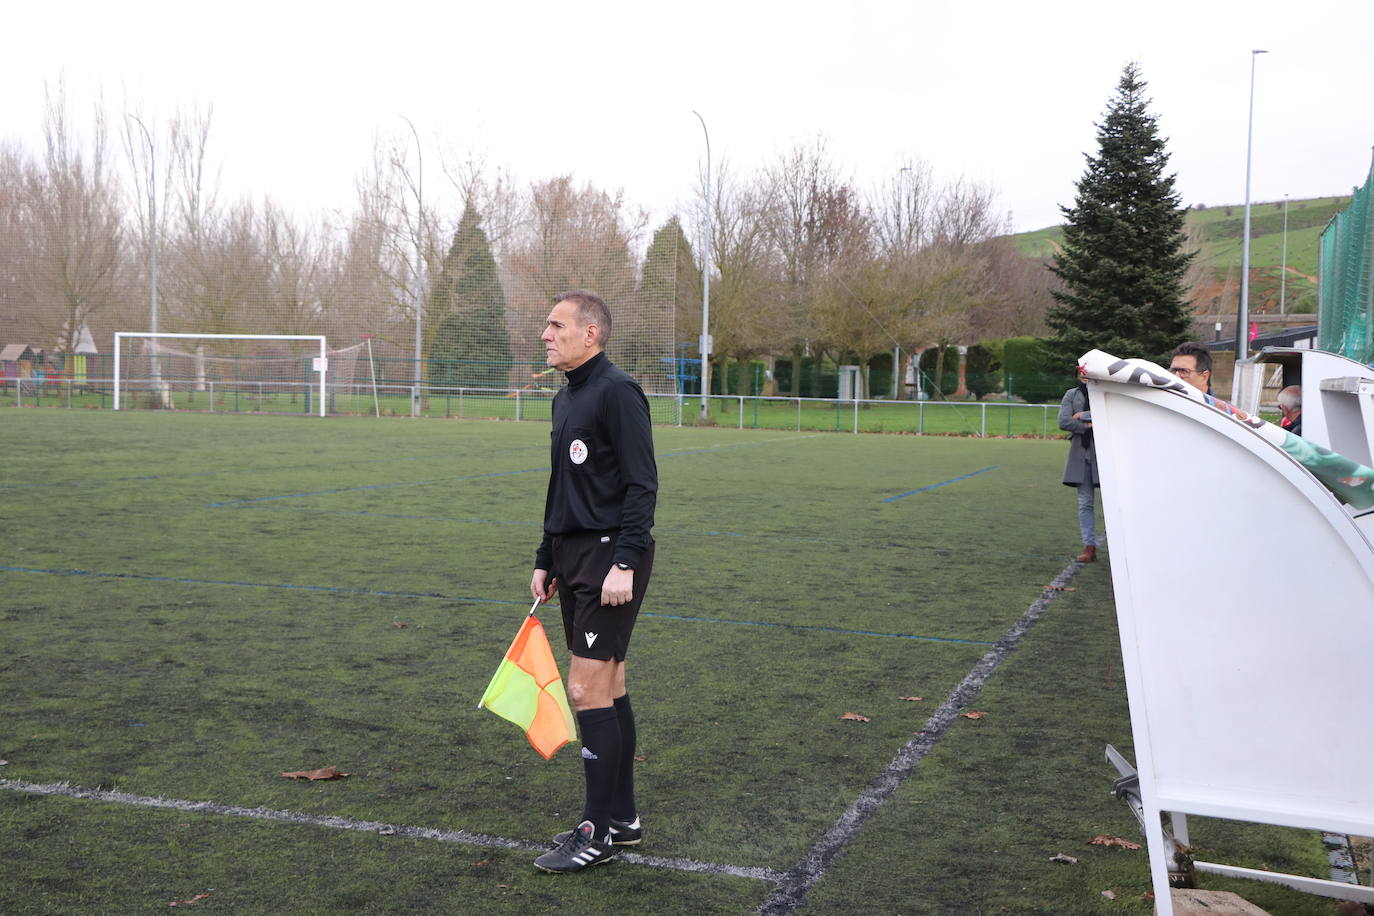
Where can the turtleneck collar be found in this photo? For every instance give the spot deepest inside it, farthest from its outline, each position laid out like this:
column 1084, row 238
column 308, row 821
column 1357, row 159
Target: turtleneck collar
column 576, row 377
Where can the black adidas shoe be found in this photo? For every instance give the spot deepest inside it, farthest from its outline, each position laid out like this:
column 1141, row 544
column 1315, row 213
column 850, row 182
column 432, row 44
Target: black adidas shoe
column 622, row 833
column 580, row 850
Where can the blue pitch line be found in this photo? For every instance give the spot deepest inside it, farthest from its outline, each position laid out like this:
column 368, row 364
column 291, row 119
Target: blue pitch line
column 819, row 629
column 407, row 518
column 940, row 484
column 91, row 481
column 370, row 486
column 678, row 453
column 467, row 599
column 664, row 532
column 425, row 483
column 332, row 589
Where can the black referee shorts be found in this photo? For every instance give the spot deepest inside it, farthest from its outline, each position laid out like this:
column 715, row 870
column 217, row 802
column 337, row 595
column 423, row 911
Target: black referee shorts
column 581, row 562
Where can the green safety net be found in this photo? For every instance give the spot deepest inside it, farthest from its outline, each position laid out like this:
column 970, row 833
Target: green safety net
column 1345, row 319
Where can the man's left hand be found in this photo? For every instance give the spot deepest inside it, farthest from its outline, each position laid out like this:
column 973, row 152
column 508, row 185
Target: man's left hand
column 618, row 586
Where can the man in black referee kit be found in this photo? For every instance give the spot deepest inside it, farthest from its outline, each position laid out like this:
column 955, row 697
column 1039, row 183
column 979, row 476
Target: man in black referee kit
column 598, row 554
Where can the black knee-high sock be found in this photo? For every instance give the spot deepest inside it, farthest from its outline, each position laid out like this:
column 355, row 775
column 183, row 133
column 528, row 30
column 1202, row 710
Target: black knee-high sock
column 600, row 730
column 623, row 807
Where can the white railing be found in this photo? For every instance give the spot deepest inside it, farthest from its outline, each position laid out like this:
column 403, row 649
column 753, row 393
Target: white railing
column 967, row 418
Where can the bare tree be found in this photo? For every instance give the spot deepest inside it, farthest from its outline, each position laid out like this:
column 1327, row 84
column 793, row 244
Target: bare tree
column 845, row 298
column 19, row 247
column 1016, row 291
column 801, row 183
column 294, row 280
column 746, row 296
column 73, row 211
column 901, row 209
column 965, row 215
column 570, row 237
column 491, row 192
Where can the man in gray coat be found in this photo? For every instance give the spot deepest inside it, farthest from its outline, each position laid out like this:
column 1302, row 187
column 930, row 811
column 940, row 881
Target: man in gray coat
column 1080, row 470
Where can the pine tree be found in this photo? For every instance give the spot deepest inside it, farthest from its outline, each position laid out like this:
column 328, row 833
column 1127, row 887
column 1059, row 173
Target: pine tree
column 469, row 344
column 670, row 283
column 1123, row 258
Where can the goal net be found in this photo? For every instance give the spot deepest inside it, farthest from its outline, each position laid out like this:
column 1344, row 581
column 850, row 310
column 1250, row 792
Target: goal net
column 250, row 373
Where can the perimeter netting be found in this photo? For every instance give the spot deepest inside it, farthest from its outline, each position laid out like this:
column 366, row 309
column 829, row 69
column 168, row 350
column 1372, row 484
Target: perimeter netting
column 1345, row 307
column 428, row 311
column 484, row 308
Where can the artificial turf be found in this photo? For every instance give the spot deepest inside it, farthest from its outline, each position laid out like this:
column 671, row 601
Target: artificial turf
column 191, row 605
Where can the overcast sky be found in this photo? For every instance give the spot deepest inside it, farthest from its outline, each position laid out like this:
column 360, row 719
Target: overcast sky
column 1005, row 93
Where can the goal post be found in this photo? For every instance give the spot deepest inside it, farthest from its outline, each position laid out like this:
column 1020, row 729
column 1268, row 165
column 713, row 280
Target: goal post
column 320, row 364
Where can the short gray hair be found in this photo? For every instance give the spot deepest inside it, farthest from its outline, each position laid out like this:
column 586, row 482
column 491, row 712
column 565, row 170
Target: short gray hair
column 591, row 309
column 1290, row 398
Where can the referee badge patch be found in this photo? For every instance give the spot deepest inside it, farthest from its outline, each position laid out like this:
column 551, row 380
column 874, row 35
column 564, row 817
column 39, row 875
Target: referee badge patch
column 577, row 451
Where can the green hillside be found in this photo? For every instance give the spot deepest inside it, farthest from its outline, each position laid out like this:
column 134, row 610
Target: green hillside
column 1219, row 231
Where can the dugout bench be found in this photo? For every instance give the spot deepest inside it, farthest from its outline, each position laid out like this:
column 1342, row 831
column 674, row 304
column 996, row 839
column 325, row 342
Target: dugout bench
column 1245, row 599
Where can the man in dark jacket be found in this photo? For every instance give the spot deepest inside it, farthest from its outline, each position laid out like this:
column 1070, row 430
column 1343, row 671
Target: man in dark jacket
column 597, row 553
column 1081, row 468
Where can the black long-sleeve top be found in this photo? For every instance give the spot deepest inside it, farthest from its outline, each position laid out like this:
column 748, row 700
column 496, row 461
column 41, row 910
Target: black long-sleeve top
column 602, row 476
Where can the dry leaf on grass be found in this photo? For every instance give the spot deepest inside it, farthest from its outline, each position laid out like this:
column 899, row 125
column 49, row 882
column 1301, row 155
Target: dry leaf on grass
column 188, row 902
column 1110, row 895
column 974, row 714
column 1063, row 859
column 329, row 772
column 912, row 699
column 855, row 717
column 399, row 624
column 1103, row 840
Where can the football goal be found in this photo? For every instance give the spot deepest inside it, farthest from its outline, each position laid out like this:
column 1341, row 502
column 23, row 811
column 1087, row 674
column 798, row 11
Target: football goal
column 271, row 373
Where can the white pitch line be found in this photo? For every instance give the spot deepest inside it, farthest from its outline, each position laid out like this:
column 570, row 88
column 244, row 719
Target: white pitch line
column 794, row 886
column 462, row 837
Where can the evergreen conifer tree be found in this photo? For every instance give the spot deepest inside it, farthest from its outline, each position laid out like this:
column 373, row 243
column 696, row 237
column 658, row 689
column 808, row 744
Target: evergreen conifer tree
column 469, row 343
column 670, row 282
column 1123, row 259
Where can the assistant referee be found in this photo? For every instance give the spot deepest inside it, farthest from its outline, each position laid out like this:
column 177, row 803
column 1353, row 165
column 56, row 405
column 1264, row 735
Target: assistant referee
column 597, row 553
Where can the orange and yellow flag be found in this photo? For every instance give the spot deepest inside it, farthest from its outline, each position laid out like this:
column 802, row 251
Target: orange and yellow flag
column 528, row 691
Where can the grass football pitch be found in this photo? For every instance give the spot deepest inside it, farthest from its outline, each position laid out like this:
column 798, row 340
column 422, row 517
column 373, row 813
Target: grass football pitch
column 192, row 605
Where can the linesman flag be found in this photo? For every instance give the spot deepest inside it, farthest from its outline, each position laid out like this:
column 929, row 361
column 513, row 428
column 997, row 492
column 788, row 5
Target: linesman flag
column 528, row 690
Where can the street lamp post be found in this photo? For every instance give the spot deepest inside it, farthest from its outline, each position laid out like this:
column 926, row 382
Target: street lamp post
column 419, row 263
column 152, row 248
column 706, row 283
column 1242, row 335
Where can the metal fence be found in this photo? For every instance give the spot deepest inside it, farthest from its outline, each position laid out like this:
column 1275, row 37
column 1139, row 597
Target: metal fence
column 960, row 418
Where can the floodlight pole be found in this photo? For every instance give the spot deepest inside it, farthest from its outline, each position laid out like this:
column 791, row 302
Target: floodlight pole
column 1242, row 330
column 1283, row 261
column 706, row 283
column 152, row 244
column 903, row 176
column 419, row 264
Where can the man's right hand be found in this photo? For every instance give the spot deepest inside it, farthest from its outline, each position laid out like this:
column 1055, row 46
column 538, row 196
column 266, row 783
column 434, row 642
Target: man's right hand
column 541, row 586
